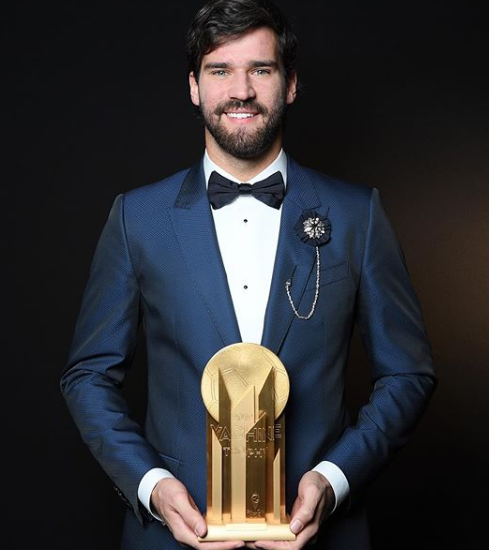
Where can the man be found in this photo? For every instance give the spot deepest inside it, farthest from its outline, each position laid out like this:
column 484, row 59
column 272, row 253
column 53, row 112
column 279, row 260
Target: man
column 204, row 263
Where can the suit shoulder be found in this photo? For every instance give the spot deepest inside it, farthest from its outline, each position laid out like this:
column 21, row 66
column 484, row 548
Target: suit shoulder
column 325, row 182
column 334, row 189
column 163, row 191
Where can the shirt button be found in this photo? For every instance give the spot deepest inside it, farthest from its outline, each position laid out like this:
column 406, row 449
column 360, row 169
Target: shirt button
column 245, row 287
column 245, row 221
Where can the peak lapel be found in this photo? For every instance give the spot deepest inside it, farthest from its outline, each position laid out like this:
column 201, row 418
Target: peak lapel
column 294, row 260
column 194, row 227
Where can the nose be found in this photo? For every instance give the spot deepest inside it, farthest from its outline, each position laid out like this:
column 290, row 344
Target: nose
column 242, row 87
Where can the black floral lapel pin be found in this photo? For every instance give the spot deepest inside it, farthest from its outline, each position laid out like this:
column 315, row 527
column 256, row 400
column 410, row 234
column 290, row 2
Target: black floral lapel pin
column 314, row 230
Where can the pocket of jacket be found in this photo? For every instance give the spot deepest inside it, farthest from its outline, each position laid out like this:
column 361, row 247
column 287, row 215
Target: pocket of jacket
column 329, row 274
column 171, row 464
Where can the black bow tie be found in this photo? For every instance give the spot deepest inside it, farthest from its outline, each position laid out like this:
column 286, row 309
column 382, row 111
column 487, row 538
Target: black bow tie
column 222, row 191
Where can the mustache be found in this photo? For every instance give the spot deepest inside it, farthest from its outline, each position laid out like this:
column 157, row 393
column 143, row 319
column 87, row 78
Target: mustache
column 238, row 104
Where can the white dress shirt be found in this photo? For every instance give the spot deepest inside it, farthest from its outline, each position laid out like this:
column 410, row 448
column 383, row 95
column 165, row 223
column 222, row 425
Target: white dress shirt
column 247, row 233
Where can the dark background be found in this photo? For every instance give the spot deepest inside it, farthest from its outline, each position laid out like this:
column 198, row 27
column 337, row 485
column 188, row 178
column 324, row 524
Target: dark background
column 96, row 102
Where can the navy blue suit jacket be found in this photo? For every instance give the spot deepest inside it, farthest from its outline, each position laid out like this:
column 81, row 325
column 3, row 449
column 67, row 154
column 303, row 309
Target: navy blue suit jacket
column 158, row 263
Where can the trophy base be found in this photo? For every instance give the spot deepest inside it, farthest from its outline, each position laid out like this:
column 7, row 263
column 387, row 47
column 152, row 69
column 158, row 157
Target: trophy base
column 248, row 532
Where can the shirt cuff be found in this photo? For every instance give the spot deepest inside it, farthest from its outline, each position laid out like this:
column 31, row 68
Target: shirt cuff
column 337, row 480
column 147, row 484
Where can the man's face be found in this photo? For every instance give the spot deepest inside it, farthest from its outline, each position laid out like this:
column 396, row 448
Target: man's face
column 242, row 94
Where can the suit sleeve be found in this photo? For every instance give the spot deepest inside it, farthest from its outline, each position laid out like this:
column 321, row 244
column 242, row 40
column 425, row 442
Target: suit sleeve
column 101, row 353
column 393, row 333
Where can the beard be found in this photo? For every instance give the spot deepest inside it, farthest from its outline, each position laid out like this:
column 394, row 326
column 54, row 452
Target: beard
column 244, row 143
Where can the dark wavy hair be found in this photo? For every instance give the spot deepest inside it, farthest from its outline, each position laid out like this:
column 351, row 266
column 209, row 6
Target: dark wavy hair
column 219, row 21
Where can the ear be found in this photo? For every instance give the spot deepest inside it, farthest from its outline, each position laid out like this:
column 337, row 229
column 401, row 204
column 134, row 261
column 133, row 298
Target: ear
column 194, row 89
column 292, row 88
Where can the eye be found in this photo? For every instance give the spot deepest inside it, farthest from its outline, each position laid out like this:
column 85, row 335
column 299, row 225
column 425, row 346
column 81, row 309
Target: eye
column 261, row 72
column 219, row 72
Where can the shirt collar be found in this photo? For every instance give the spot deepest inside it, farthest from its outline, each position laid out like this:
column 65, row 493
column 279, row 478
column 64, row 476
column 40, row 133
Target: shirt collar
column 278, row 165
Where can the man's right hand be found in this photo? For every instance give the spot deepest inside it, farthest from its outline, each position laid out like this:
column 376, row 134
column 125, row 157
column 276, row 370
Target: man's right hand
column 172, row 502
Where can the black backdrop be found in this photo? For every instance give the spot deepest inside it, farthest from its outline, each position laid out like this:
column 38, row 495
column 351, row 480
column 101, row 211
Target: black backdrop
column 395, row 96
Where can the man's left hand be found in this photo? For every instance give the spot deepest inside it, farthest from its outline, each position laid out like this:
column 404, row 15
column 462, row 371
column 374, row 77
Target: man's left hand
column 315, row 500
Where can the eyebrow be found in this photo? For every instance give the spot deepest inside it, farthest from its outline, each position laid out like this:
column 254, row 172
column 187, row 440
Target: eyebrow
column 254, row 64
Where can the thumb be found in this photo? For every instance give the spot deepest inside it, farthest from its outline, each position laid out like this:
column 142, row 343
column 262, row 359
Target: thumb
column 305, row 508
column 189, row 513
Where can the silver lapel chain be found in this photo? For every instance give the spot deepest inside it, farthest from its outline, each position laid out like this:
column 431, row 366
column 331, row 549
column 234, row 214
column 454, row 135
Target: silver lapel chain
column 288, row 284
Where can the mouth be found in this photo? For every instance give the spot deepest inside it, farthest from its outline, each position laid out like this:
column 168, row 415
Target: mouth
column 240, row 115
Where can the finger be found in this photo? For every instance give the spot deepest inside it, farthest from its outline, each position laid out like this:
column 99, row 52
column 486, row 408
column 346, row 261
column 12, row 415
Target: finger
column 184, row 535
column 277, row 545
column 306, row 511
column 193, row 519
column 227, row 545
column 302, row 539
column 295, row 507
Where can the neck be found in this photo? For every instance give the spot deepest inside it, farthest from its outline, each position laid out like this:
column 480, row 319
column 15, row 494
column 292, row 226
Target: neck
column 242, row 169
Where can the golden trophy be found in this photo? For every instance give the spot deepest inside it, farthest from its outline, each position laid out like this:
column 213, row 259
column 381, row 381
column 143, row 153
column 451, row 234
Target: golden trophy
column 245, row 388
